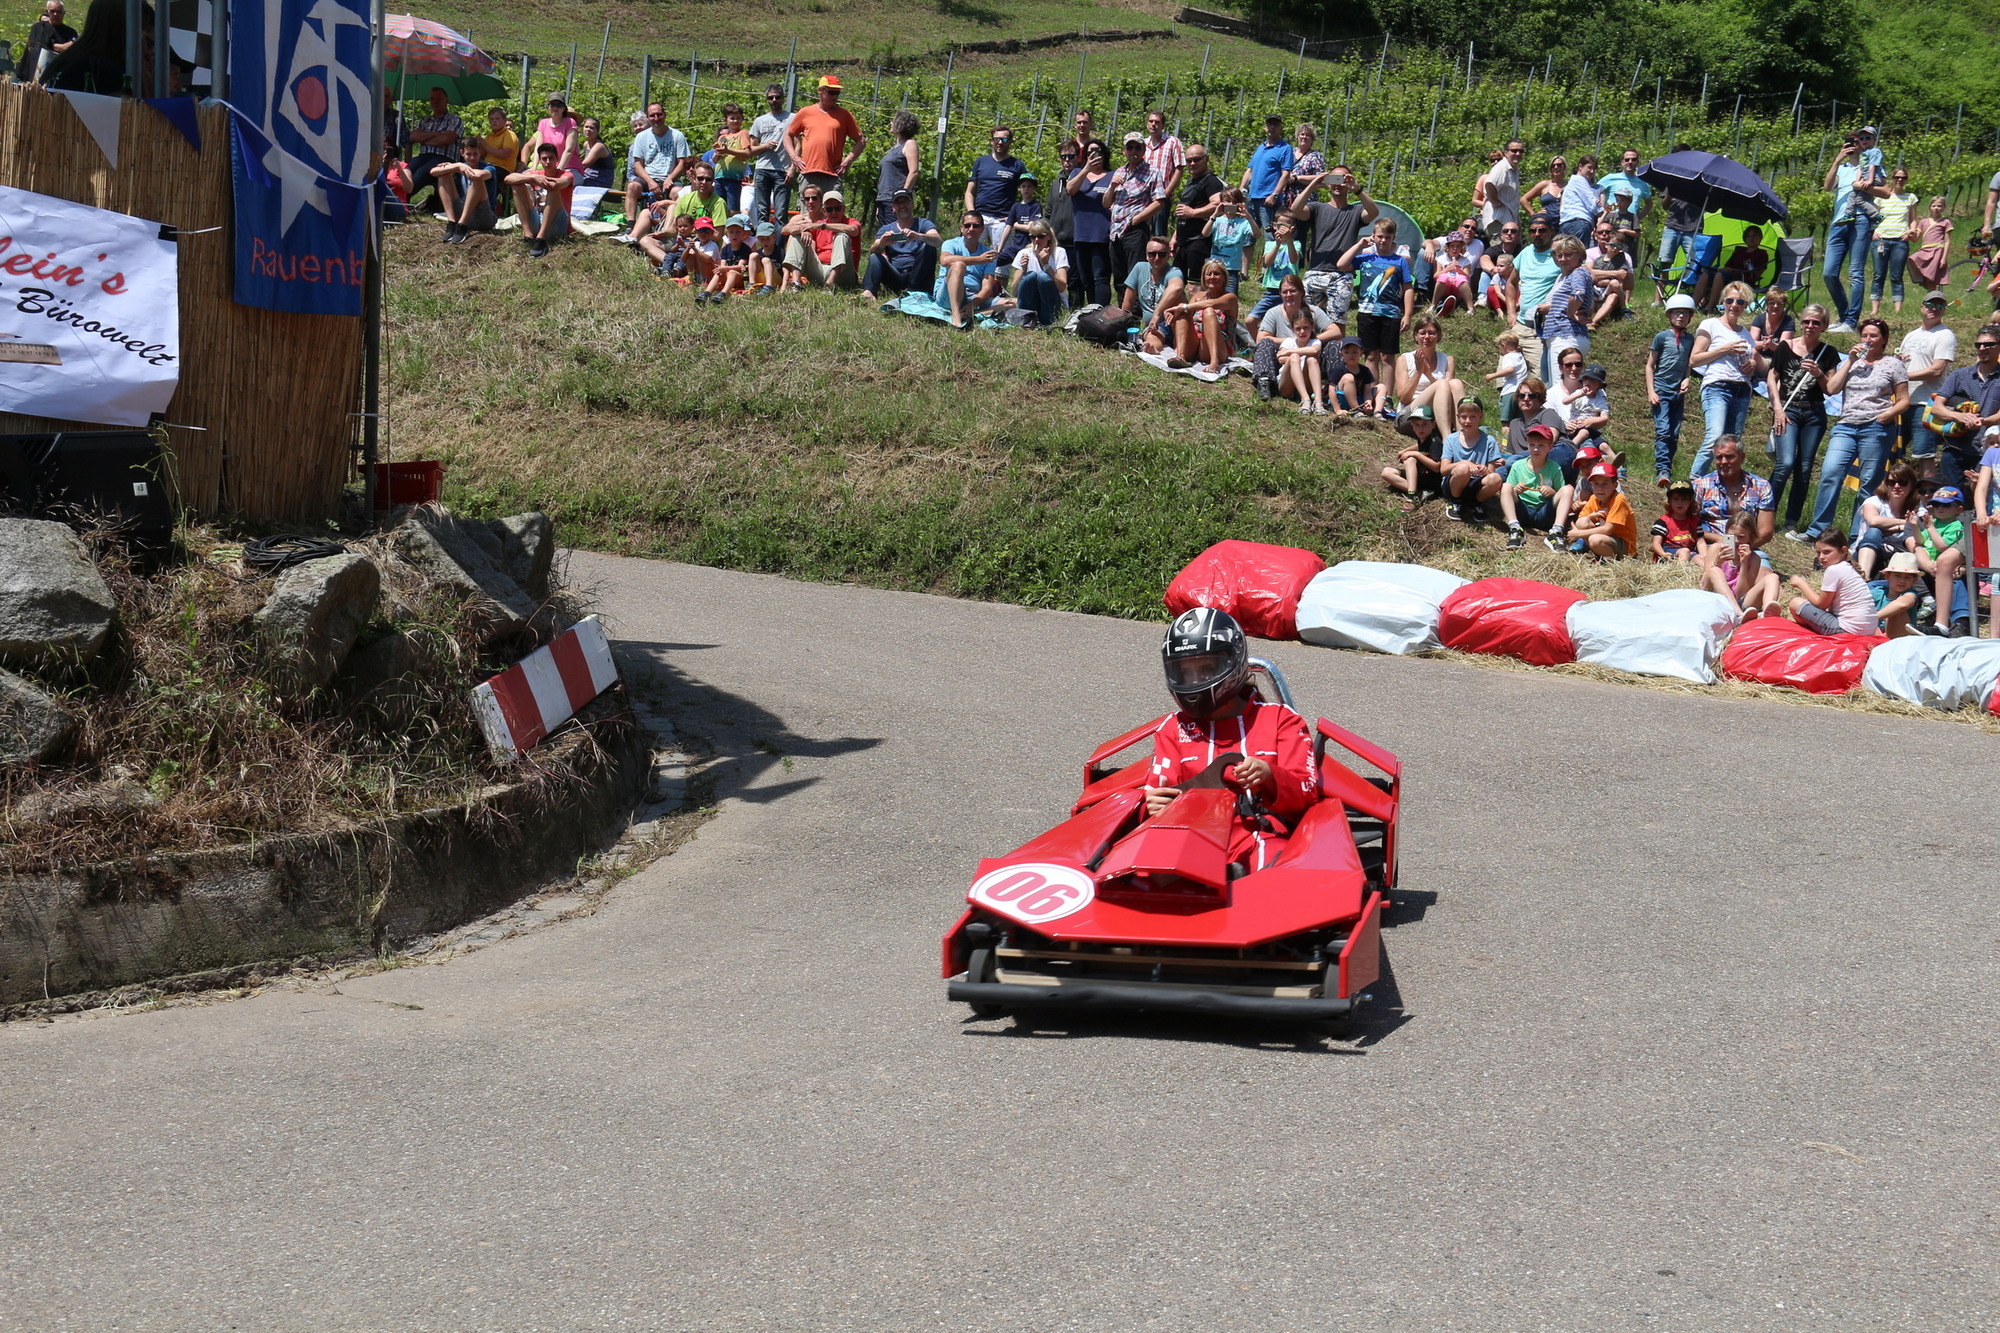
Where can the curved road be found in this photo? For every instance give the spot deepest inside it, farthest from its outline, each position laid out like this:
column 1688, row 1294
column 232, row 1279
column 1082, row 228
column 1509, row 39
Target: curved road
column 1696, row 1034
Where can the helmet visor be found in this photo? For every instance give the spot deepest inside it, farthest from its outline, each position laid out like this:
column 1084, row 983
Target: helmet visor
column 1197, row 672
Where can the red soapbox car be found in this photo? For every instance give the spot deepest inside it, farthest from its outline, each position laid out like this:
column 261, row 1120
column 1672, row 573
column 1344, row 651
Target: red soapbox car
column 1111, row 911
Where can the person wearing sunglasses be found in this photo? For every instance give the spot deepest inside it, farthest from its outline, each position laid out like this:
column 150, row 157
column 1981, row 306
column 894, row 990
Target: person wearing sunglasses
column 1892, row 240
column 1727, row 359
column 1497, row 195
column 995, row 186
column 1535, row 274
column 1855, row 181
column 1875, row 392
column 1796, row 381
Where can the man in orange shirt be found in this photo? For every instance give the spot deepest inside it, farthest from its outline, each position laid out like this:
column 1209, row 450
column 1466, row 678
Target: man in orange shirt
column 818, row 136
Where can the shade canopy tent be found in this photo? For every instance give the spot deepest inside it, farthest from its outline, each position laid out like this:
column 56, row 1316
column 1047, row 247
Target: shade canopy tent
column 419, row 55
column 1721, row 185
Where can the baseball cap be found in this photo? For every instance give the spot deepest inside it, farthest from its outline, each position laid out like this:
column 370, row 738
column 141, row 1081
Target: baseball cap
column 830, row 81
column 1681, row 488
column 1541, row 432
column 901, row 194
column 1604, row 470
column 1902, row 563
column 1870, row 129
column 1937, row 298
column 1595, row 373
column 1680, row 301
column 1134, row 137
column 1588, row 452
column 767, row 229
column 1947, row 495
column 703, row 224
column 737, row 220
column 1028, row 176
column 832, row 197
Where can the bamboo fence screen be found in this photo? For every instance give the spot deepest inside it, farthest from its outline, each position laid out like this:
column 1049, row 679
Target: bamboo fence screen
column 274, row 393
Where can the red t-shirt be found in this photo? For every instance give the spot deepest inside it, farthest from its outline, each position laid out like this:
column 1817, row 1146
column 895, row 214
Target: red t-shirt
column 823, row 137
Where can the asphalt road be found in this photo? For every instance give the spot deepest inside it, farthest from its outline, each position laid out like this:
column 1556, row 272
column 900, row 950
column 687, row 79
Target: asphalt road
column 1697, row 1033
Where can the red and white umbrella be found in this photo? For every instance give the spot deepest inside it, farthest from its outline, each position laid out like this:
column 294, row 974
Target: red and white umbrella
column 418, row 55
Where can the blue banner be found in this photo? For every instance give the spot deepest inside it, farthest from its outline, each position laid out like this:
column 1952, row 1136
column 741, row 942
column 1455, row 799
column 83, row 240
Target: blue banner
column 301, row 240
column 299, row 79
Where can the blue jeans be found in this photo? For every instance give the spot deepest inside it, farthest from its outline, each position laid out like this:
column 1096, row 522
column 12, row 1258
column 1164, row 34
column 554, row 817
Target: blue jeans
column 1264, row 303
column 1675, row 242
column 1724, row 408
column 1667, row 416
column 768, row 191
column 1792, row 451
column 1581, row 228
column 1847, row 241
column 731, row 190
column 1263, row 215
column 1923, row 441
column 1867, row 440
column 1890, row 257
column 1038, row 293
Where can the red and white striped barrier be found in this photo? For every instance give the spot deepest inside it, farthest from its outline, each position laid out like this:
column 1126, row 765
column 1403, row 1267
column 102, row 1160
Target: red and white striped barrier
column 543, row 690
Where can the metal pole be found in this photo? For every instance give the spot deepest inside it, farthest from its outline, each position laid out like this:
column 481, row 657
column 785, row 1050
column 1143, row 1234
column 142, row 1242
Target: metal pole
column 135, row 17
column 526, row 61
column 875, row 98
column 1382, row 62
column 371, row 286
column 163, row 50
column 603, row 48
column 1076, row 103
column 1635, row 76
column 1797, row 110
column 1958, row 140
column 569, row 80
column 694, row 81
column 1468, row 66
column 1704, row 96
column 1040, row 124
column 1204, row 61
column 218, row 62
column 1276, row 101
column 1302, row 53
column 1116, row 95
column 645, row 81
column 792, row 76
column 943, row 128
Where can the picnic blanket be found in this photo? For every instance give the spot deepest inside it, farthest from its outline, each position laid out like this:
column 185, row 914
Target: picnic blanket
column 1234, row 366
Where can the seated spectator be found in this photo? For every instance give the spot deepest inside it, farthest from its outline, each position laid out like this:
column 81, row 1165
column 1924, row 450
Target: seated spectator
column 463, row 189
column 1940, row 528
column 1887, row 519
column 435, row 137
column 1843, row 604
column 1496, row 267
column 1745, row 263
column 499, row 150
column 1152, row 289
column 1041, row 284
column 1453, row 278
column 594, row 170
column 1586, row 411
column 1509, row 374
column 659, row 155
column 541, row 197
column 904, row 256
column 1204, row 325
column 702, row 251
column 1735, row 568
column 732, row 263
column 1605, row 527
column 1610, row 269
column 396, row 173
column 1427, row 377
column 967, row 280
column 766, row 265
column 1383, row 295
column 703, row 200
column 1535, row 494
column 1677, row 532
column 1418, row 471
column 1501, row 291
column 1355, row 389
column 1229, row 231
column 1897, row 595
column 1730, row 492
column 673, row 252
column 95, row 60
column 819, row 242
column 734, row 154
column 1288, row 356
column 1027, row 211
column 1531, row 410
column 1472, row 466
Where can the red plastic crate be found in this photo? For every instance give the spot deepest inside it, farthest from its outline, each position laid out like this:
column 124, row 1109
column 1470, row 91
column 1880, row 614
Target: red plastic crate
column 417, row 482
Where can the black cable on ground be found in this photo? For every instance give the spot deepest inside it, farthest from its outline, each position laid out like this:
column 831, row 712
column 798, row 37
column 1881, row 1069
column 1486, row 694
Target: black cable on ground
column 269, row 555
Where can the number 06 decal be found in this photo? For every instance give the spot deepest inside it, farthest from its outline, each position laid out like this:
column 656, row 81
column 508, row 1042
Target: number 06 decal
column 1034, row 891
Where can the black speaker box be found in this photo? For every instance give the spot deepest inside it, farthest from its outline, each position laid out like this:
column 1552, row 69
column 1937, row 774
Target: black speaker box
column 73, row 475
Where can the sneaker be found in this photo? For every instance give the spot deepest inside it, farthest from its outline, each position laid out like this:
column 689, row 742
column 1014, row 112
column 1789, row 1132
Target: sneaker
column 450, row 232
column 1798, row 537
column 1960, row 629
column 1663, row 481
column 1264, row 388
column 1555, row 543
column 1454, row 513
column 538, row 250
column 626, row 238
column 1516, row 539
column 1842, row 327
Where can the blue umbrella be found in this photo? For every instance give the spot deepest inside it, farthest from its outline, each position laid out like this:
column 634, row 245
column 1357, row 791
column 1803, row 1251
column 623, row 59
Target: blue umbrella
column 1721, row 185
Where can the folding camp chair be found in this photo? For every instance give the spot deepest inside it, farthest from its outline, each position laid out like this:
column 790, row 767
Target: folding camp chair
column 1795, row 270
column 1703, row 252
column 1982, row 560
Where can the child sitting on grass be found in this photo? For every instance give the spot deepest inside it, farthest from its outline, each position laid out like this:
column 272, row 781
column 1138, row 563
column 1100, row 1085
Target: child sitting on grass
column 1356, row 391
column 1897, row 595
column 765, row 262
column 1677, row 532
column 732, row 264
column 1513, row 368
column 1843, row 604
column 1535, row 493
column 1940, row 528
column 1736, row 569
column 1418, row 471
column 1605, row 527
column 1472, row 467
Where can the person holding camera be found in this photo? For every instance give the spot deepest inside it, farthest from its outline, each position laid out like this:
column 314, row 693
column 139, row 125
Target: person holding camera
column 1856, row 180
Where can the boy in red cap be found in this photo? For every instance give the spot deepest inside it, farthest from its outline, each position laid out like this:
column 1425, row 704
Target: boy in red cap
column 1535, row 493
column 1606, row 528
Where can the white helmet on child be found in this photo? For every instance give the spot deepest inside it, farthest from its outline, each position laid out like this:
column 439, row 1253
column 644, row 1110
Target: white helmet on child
column 1679, row 301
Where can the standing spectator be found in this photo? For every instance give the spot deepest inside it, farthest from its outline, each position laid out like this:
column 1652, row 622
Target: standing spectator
column 1285, row 258
column 1932, row 255
column 659, row 155
column 541, row 197
column 1992, row 203
column 1168, row 159
column 436, row 137
column 1289, row 354
column 1566, row 321
column 904, row 256
column 1677, row 235
column 1264, row 177
column 1874, row 389
column 1582, row 201
column 1199, row 199
column 464, row 191
column 559, row 127
column 1978, row 385
column 1026, row 211
column 771, row 180
column 1085, row 130
column 733, row 156
column 1536, row 494
column 1928, row 352
column 1624, row 192
column 820, row 242
column 49, row 38
column 1498, row 193
column 1332, row 231
column 1796, row 383
column 1535, row 275
column 1892, row 241
column 1383, row 293
column 818, row 137
column 1229, row 233
column 1135, row 198
column 1546, row 195
column 900, row 166
column 1062, row 209
column 1854, row 178
column 1728, row 360
column 1730, row 492
column 1508, row 374
column 994, row 187
column 1092, row 223
column 967, row 280
column 1306, row 161
column 1043, row 269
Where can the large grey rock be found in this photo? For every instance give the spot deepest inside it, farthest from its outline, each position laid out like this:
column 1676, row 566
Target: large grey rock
column 528, row 550
column 103, row 800
column 54, row 606
column 378, row 673
column 465, row 559
column 314, row 616
column 32, row 725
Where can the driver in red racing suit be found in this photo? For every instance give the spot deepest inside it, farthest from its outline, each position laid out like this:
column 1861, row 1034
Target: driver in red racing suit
column 1208, row 671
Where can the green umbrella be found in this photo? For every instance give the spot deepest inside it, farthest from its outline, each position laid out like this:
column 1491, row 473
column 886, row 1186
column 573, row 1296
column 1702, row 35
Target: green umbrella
column 458, row 88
